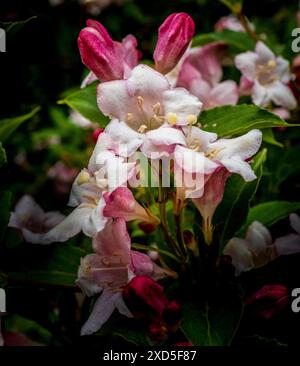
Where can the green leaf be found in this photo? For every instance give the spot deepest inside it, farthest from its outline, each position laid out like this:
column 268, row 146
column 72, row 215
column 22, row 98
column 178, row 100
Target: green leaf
column 57, row 266
column 3, row 158
column 234, row 5
column 268, row 213
column 237, row 41
column 28, row 327
column 13, row 27
column 9, row 125
column 288, row 165
column 268, row 137
column 233, row 210
column 239, row 119
column 84, row 101
column 5, row 199
column 212, row 324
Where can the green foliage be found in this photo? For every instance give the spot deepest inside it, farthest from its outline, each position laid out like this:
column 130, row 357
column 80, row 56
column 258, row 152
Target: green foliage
column 268, row 213
column 239, row 119
column 238, row 42
column 3, row 158
column 9, row 125
column 57, row 266
column 84, row 102
column 5, row 199
column 233, row 210
column 12, row 28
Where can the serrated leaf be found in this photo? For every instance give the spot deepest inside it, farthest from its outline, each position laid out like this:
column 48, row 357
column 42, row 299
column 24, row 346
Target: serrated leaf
column 238, row 42
column 233, row 210
column 239, row 119
column 268, row 213
column 3, row 158
column 84, row 102
column 9, row 125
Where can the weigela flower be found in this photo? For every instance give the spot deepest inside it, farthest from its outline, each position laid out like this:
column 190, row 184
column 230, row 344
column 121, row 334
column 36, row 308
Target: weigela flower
column 109, row 269
column 31, row 219
column 201, row 74
column 266, row 77
column 229, row 22
column 143, row 103
column 257, row 249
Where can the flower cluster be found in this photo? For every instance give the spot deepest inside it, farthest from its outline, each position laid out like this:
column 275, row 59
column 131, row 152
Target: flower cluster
column 154, row 111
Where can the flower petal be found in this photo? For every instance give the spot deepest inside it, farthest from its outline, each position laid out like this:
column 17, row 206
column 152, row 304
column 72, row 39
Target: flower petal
column 241, row 257
column 246, row 63
column 282, row 95
column 295, row 222
column 289, row 244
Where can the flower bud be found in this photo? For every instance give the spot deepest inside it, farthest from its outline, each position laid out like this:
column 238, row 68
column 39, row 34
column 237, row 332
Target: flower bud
column 174, row 36
column 100, row 53
column 269, row 300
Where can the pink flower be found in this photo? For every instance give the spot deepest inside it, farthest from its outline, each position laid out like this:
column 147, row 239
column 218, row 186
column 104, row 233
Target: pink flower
column 108, row 270
column 257, row 249
column 229, row 22
column 212, row 196
column 122, row 204
column 97, row 133
column 201, row 74
column 31, row 219
column 269, row 301
column 62, row 176
column 174, row 36
column 107, row 59
column 267, row 75
column 146, row 300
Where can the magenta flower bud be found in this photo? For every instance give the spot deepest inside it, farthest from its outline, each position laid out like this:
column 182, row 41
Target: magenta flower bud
column 100, row 53
column 269, row 301
column 174, row 36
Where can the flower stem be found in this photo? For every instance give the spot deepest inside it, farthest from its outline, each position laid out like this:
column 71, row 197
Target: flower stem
column 207, row 230
column 178, row 223
column 243, row 20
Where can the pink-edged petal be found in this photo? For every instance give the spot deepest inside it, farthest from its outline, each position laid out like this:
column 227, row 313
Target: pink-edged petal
column 201, row 89
column 282, row 95
column 242, row 147
column 246, row 63
column 141, row 264
column 246, row 85
column 295, row 222
column 125, row 140
column 114, row 100
column 102, row 311
column 193, row 161
column 182, row 103
column 289, row 244
column 166, row 136
column 258, row 238
column 225, row 93
column 114, row 240
column 282, row 113
column 260, row 94
column 241, row 257
column 263, row 51
column 89, row 79
column 131, row 54
column 283, row 69
column 153, row 152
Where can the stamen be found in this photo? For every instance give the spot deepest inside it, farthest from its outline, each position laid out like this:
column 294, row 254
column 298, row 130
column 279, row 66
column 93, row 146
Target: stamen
column 191, row 119
column 142, row 128
column 129, row 117
column 83, row 178
column 156, row 108
column 172, row 118
column 140, row 101
column 272, row 63
column 87, row 268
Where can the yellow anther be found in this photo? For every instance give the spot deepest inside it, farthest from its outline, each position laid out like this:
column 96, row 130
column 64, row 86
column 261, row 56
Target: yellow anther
column 142, row 129
column 156, row 108
column 87, row 268
column 191, row 119
column 172, row 118
column 83, row 178
column 129, row 117
column 272, row 63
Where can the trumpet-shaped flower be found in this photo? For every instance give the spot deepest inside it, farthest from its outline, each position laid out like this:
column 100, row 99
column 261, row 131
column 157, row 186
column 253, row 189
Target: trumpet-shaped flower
column 108, row 270
column 266, row 77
